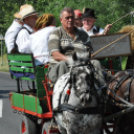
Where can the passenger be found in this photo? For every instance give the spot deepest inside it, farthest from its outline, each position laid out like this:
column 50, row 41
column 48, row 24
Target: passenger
column 39, row 40
column 78, row 18
column 29, row 16
column 88, row 20
column 63, row 41
column 12, row 31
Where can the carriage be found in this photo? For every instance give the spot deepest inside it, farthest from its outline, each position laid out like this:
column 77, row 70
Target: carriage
column 35, row 104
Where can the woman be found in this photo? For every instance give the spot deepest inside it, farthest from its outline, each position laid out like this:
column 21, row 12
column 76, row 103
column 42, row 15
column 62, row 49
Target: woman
column 39, row 40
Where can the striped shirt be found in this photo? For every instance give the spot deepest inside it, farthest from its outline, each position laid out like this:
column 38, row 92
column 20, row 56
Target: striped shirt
column 60, row 40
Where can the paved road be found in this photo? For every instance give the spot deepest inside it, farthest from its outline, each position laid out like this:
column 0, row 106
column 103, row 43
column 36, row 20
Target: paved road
column 9, row 121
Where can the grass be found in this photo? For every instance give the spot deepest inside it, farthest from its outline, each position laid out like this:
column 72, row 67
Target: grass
column 4, row 63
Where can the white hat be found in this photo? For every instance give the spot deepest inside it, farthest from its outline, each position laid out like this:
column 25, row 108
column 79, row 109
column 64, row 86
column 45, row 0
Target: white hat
column 25, row 11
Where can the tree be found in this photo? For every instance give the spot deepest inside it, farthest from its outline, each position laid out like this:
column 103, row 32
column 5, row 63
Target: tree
column 106, row 11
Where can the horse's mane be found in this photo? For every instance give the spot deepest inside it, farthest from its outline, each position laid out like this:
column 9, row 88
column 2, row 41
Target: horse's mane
column 80, row 58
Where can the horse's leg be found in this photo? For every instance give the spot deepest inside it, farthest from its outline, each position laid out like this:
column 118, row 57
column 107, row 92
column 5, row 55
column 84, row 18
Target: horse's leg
column 118, row 126
column 130, row 123
column 122, row 126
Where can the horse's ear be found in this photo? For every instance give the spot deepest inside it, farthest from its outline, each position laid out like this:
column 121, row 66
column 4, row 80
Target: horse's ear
column 74, row 56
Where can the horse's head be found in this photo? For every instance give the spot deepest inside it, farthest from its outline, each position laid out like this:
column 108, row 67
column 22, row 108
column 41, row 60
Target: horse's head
column 82, row 78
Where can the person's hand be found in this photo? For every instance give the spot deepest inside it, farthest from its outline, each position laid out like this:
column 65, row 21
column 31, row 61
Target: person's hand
column 107, row 28
column 70, row 60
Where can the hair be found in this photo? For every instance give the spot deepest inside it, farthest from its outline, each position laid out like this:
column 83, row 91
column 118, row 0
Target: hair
column 43, row 21
column 67, row 9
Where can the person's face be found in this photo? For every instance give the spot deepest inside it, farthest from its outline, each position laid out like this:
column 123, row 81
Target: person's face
column 88, row 23
column 67, row 20
column 78, row 22
column 31, row 20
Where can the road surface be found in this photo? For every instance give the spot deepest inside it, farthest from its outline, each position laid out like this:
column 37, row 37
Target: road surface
column 9, row 121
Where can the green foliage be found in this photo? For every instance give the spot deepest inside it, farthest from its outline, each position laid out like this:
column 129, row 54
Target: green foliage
column 107, row 11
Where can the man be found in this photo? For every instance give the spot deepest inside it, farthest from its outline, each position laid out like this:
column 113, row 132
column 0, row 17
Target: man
column 12, row 32
column 29, row 16
column 63, row 41
column 88, row 20
column 78, row 18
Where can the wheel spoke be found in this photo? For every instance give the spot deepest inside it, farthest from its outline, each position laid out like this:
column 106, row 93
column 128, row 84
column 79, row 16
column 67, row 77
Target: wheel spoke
column 23, row 128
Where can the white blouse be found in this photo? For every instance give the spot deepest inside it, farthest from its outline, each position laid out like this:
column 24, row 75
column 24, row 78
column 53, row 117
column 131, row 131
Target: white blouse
column 39, row 45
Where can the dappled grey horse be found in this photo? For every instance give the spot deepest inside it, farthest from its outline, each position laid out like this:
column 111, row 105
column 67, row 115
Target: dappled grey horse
column 74, row 100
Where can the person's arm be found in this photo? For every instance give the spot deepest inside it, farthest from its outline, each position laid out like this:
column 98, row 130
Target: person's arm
column 11, row 34
column 105, row 31
column 59, row 56
column 54, row 47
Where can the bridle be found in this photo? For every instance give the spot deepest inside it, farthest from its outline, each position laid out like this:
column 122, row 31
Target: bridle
column 80, row 110
column 92, row 88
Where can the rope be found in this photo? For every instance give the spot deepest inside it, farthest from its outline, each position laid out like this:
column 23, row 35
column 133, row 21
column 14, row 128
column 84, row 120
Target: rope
column 112, row 43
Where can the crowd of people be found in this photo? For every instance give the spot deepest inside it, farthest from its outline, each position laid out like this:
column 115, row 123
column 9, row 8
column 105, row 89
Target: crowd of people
column 39, row 35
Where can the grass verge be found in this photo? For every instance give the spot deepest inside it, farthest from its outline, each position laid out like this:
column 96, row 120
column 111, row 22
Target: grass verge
column 4, row 63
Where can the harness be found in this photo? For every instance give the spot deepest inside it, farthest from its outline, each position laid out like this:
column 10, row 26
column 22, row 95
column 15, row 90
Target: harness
column 73, row 109
column 15, row 45
column 119, row 83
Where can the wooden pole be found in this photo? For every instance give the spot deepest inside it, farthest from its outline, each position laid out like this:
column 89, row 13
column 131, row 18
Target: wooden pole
column 116, row 115
column 1, row 54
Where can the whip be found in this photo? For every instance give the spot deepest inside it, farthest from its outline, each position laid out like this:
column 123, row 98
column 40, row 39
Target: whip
column 131, row 13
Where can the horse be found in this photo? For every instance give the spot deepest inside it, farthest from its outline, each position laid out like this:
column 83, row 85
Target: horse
column 122, row 85
column 74, row 94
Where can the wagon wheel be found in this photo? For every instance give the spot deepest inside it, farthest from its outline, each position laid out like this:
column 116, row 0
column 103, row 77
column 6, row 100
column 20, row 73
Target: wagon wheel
column 27, row 126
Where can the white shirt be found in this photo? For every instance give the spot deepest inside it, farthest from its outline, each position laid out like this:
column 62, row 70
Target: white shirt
column 11, row 34
column 23, row 41
column 90, row 32
column 39, row 45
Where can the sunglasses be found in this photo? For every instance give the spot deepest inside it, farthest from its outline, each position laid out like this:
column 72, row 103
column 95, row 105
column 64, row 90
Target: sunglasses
column 71, row 17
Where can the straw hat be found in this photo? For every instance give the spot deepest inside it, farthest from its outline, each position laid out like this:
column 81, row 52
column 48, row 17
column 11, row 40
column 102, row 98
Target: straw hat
column 25, row 11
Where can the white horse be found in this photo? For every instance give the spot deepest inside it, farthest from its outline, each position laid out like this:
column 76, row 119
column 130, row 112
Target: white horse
column 75, row 89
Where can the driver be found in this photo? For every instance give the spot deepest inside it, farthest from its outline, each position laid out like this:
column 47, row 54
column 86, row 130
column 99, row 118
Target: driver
column 63, row 41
